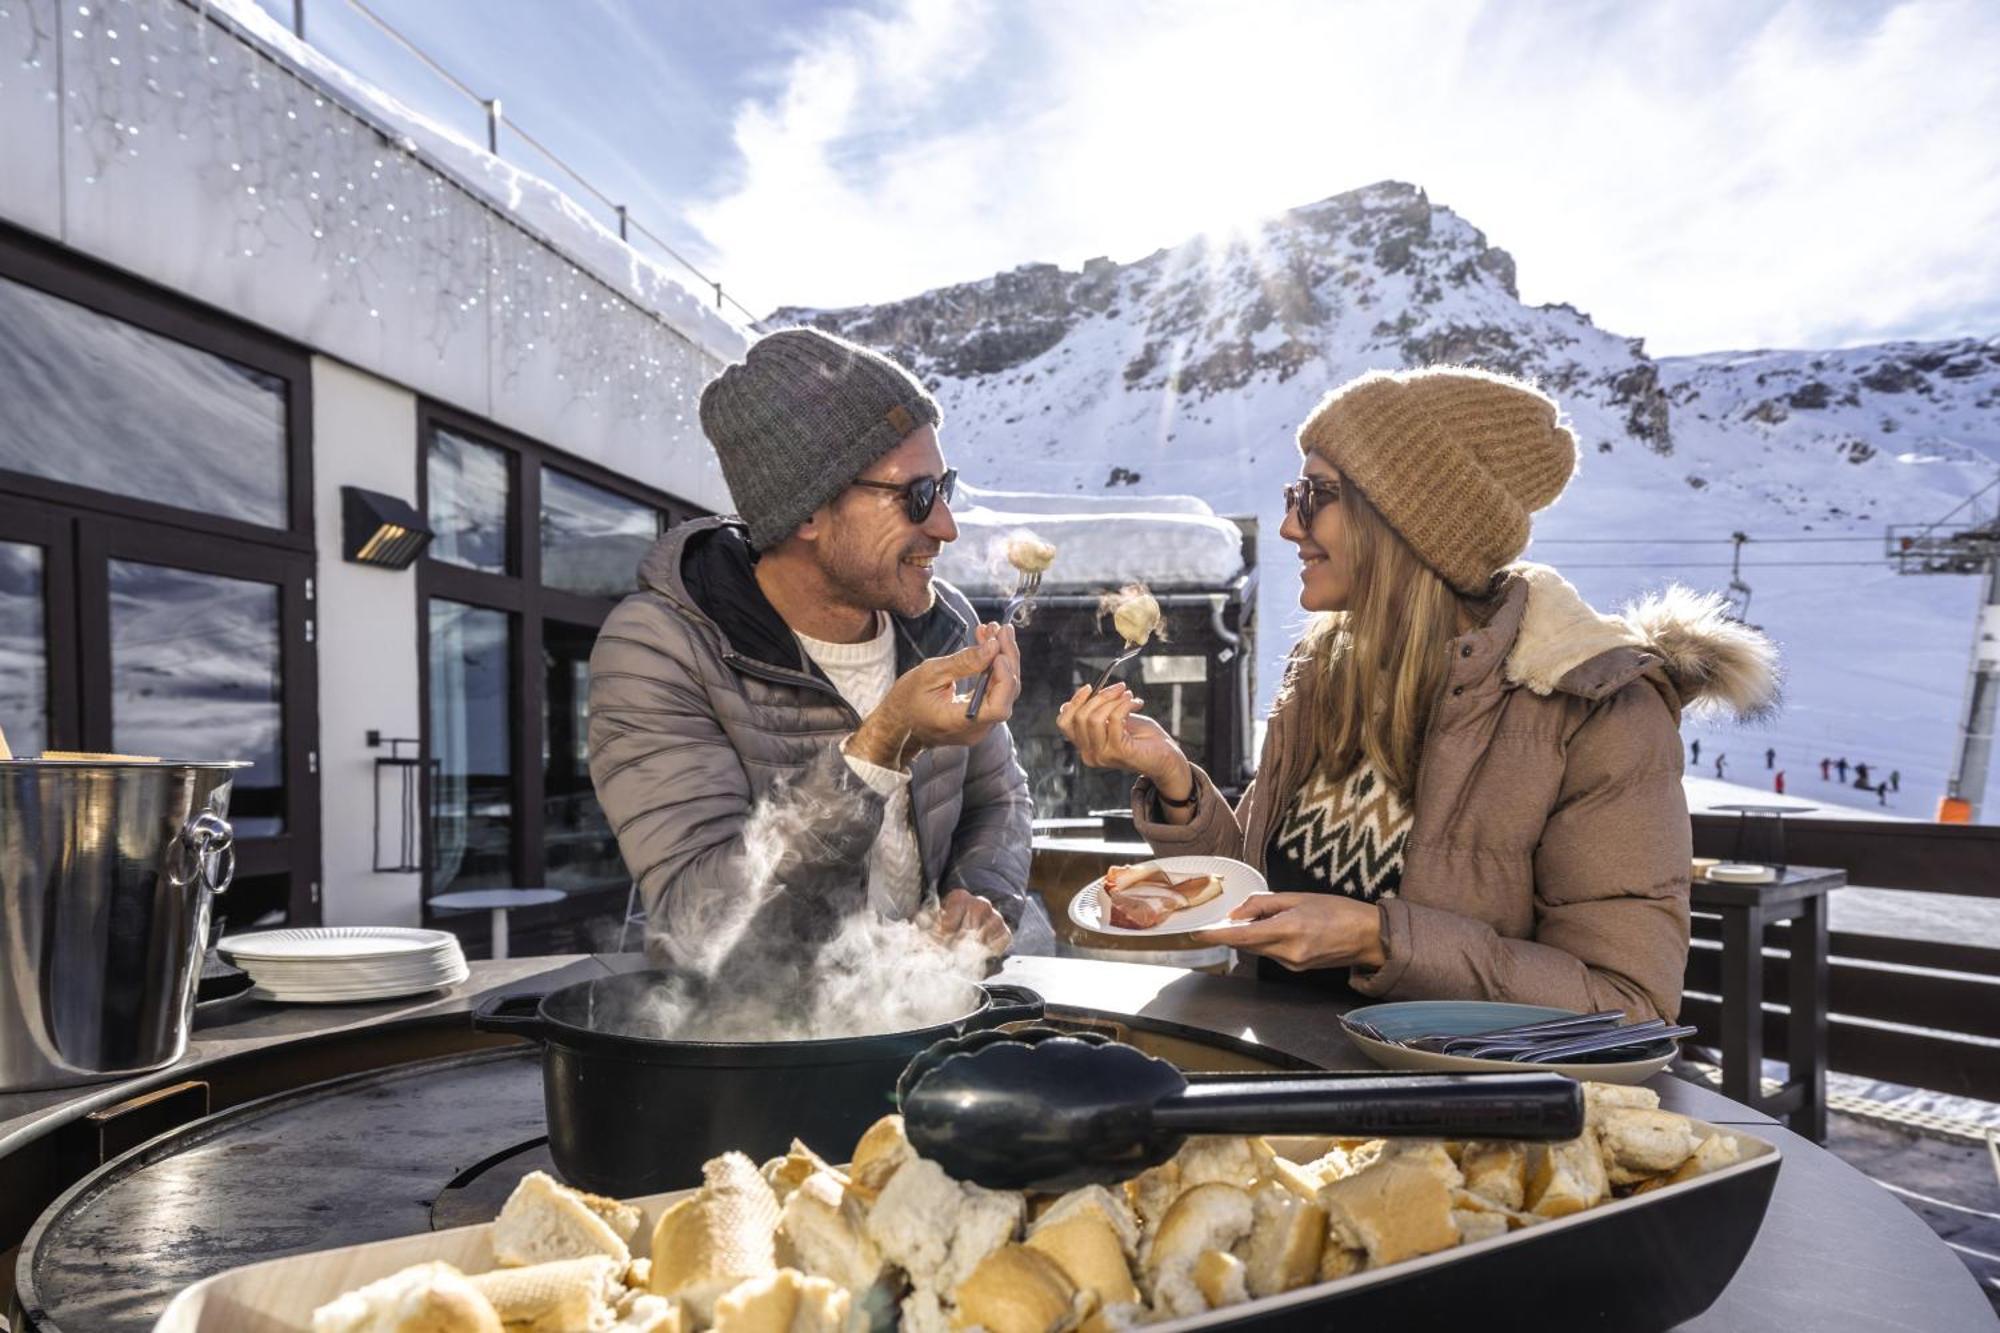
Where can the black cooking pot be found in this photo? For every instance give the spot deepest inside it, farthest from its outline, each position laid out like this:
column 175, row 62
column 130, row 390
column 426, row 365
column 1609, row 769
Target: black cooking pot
column 631, row 1112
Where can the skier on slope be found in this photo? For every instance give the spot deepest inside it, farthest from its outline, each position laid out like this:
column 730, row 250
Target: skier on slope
column 1826, row 770
column 1778, row 783
column 1895, row 779
column 1694, row 749
column 1840, row 767
column 1719, row 759
column 1770, row 757
column 1861, row 777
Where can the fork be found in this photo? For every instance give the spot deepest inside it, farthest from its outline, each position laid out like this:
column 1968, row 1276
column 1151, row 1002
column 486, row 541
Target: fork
column 1117, row 662
column 1019, row 610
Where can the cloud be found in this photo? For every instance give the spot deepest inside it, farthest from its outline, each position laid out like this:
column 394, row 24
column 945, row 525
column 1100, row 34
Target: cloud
column 1706, row 174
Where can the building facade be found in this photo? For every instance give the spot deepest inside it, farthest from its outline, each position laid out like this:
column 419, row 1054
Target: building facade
column 233, row 284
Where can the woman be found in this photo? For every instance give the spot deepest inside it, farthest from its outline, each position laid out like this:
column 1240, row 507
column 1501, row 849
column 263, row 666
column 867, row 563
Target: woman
column 1471, row 782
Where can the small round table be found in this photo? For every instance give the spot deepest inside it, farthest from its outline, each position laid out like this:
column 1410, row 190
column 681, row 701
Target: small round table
column 499, row 902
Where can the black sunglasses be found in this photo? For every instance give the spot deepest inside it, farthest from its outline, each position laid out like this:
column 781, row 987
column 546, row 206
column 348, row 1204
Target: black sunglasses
column 919, row 496
column 1307, row 494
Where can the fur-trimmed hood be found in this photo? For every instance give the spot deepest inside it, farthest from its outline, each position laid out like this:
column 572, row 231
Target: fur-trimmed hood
column 1713, row 663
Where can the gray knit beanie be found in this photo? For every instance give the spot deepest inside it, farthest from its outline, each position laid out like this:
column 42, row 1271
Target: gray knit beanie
column 799, row 418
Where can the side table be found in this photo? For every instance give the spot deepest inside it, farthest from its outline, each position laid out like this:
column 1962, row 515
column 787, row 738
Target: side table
column 1798, row 896
column 499, row 902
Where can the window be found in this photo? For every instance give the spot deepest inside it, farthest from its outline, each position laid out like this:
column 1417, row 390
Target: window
column 469, row 492
column 532, row 553
column 24, row 654
column 102, row 404
column 156, row 549
column 196, row 660
column 472, row 796
column 593, row 539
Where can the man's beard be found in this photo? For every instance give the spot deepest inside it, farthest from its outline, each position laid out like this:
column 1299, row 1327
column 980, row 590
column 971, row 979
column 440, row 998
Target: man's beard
column 861, row 580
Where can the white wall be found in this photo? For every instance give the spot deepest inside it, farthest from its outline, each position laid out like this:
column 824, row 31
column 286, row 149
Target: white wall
column 364, row 434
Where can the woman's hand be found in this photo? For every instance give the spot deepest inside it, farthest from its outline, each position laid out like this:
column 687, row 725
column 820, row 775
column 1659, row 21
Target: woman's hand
column 1108, row 731
column 963, row 914
column 1304, row 930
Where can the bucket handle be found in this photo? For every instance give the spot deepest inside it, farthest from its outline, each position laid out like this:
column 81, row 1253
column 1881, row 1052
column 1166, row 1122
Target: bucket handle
column 204, row 851
column 518, row 1015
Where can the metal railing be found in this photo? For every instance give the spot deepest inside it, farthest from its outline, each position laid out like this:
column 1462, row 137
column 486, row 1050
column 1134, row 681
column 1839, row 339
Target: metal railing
column 496, row 121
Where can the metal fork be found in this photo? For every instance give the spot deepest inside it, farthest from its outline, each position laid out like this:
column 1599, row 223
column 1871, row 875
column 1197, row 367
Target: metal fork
column 1019, row 610
column 1117, row 662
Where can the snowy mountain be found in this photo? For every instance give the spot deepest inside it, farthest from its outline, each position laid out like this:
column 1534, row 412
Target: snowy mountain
column 1189, row 371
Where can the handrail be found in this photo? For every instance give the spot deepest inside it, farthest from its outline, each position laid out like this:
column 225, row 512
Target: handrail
column 496, row 120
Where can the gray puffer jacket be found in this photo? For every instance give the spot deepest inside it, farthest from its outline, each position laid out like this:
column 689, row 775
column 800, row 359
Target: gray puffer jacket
column 714, row 747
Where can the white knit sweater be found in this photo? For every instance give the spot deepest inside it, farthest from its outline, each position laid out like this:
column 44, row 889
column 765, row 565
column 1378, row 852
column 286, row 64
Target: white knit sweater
column 863, row 673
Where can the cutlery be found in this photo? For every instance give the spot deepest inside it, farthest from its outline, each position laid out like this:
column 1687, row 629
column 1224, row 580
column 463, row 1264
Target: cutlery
column 1020, row 607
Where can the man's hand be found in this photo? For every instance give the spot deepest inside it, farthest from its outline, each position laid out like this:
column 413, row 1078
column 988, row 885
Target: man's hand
column 1304, row 930
column 1108, row 731
column 964, row 913
column 923, row 709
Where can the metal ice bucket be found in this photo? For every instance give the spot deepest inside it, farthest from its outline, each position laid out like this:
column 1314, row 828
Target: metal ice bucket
column 106, row 872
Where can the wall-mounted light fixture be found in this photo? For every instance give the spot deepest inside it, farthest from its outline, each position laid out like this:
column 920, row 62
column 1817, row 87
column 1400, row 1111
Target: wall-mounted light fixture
column 378, row 529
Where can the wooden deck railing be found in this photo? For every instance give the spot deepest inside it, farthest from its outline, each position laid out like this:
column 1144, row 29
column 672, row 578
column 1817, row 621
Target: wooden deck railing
column 1879, row 988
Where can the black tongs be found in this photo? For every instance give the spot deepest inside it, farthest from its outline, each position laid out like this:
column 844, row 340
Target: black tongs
column 1043, row 1109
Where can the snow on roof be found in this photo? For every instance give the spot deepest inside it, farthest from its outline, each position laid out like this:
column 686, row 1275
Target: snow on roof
column 1161, row 541
column 532, row 203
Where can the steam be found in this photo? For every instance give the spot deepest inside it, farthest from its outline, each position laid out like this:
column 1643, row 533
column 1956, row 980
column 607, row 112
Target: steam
column 768, row 946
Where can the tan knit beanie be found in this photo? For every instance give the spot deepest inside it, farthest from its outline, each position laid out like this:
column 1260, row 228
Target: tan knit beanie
column 1454, row 459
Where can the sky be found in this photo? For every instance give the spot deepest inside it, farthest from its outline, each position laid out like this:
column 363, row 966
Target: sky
column 1706, row 174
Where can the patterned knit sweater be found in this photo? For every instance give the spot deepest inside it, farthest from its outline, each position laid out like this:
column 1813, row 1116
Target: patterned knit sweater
column 1341, row 835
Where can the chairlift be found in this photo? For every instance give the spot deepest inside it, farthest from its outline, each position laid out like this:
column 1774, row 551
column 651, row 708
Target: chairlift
column 1737, row 598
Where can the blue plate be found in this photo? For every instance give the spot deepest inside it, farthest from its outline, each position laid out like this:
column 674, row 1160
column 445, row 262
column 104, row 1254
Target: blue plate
column 1419, row 1018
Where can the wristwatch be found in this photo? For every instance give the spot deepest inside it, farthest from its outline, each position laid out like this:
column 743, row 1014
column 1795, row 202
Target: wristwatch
column 1193, row 796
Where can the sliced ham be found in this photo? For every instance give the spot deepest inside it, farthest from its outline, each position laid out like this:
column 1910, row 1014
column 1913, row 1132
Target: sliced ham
column 1142, row 897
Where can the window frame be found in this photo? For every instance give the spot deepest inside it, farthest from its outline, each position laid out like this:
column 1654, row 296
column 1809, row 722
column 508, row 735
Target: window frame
column 82, row 530
column 528, row 605
column 48, row 268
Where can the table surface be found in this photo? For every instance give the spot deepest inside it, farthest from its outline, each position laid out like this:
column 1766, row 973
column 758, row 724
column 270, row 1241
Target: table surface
column 1793, row 884
column 1836, row 1250
column 471, row 899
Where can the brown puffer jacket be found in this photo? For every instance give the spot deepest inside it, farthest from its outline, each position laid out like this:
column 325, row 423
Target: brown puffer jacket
column 1548, row 860
column 714, row 747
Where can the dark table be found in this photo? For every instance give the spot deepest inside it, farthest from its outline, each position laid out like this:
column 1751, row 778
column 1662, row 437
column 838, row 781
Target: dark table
column 1836, row 1251
column 1798, row 896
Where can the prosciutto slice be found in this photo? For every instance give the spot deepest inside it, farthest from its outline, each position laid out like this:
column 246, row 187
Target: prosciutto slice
column 1141, row 897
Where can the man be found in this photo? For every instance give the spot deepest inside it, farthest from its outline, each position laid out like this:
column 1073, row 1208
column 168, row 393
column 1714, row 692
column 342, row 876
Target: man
column 775, row 730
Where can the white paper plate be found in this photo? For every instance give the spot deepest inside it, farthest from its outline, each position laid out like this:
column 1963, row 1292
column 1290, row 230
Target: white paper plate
column 1239, row 881
column 334, row 942
column 360, row 994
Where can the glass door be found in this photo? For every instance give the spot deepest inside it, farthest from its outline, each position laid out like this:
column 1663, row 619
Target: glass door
column 199, row 648
column 37, row 629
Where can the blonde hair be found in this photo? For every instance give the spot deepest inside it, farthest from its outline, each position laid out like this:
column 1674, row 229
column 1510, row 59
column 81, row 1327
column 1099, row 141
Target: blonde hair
column 1373, row 672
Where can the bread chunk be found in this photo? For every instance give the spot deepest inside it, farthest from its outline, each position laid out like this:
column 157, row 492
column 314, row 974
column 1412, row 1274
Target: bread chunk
column 1497, row 1171
column 786, row 1301
column 424, row 1298
column 1394, row 1210
column 938, row 1230
column 1474, row 1226
column 1221, row 1279
column 1565, row 1178
column 882, row 1151
column 643, row 1312
column 717, row 1238
column 1213, row 1216
column 1090, row 1253
column 544, row 1220
column 1117, row 1214
column 1637, row 1143
column 1016, row 1289
column 1287, row 1234
column 554, row 1297
column 787, row 1173
column 820, row 1230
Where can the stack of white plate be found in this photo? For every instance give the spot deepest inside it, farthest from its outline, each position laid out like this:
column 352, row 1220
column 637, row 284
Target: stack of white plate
column 345, row 964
